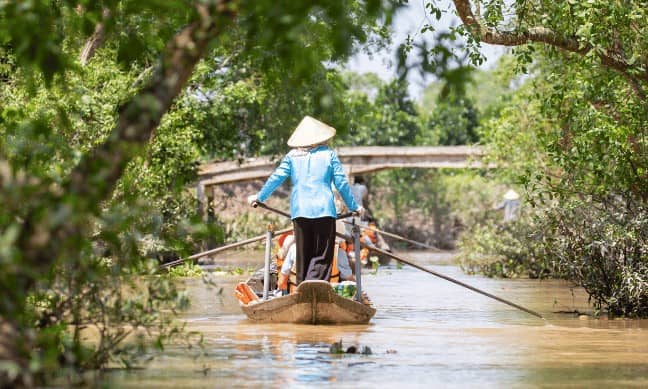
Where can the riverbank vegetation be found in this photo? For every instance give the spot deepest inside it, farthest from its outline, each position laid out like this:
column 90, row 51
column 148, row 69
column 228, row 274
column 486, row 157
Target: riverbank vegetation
column 575, row 135
column 108, row 107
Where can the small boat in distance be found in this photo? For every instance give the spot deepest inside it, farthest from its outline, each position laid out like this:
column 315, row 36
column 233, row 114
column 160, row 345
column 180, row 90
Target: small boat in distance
column 314, row 302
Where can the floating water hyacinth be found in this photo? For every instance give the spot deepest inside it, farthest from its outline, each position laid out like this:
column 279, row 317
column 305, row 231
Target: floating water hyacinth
column 345, row 289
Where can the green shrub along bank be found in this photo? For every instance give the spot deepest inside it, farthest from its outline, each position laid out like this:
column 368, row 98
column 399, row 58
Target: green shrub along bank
column 508, row 250
column 604, row 248
column 601, row 247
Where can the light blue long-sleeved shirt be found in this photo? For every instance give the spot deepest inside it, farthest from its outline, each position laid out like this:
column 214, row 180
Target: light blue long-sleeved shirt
column 311, row 173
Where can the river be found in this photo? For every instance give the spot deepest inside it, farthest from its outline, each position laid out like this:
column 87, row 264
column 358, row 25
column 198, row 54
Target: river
column 427, row 332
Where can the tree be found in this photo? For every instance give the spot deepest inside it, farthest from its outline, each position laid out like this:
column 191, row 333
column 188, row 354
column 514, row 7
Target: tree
column 452, row 123
column 606, row 34
column 57, row 182
column 453, row 119
column 592, row 54
column 389, row 119
column 587, row 74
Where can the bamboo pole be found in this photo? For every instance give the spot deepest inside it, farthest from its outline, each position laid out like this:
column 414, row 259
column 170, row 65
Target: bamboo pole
column 383, row 232
column 266, row 262
column 447, row 278
column 222, row 248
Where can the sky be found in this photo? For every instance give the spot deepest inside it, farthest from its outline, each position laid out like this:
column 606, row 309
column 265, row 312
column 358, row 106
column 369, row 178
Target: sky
column 409, row 21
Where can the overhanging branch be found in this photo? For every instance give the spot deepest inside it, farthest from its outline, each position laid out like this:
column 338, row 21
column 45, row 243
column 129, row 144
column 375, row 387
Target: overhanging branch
column 480, row 30
column 139, row 117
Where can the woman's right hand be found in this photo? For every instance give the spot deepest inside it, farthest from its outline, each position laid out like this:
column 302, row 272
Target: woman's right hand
column 252, row 200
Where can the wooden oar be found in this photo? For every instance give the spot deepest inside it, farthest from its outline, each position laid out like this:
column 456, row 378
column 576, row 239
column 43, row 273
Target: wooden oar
column 447, row 278
column 383, row 232
column 434, row 273
column 222, row 248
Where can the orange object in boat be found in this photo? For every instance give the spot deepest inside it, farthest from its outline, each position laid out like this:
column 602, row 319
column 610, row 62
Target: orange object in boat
column 241, row 297
column 245, row 290
column 371, row 234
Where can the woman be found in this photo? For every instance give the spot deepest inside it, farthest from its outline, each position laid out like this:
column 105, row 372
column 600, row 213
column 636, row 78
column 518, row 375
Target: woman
column 312, row 167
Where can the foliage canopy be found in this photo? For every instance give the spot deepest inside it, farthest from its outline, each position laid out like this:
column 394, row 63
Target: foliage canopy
column 95, row 151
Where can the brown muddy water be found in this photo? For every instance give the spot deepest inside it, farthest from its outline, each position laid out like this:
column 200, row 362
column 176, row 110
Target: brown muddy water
column 427, row 332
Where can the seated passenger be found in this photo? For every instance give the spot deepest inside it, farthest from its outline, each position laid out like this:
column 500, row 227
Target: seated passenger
column 343, row 265
column 364, row 251
column 256, row 279
column 287, row 277
column 375, row 237
column 340, row 270
column 284, row 242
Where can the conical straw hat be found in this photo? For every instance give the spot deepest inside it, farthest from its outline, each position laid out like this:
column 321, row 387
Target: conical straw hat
column 511, row 195
column 310, row 132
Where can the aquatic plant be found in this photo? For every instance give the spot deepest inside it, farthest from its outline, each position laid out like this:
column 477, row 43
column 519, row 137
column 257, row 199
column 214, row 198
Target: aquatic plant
column 187, row 269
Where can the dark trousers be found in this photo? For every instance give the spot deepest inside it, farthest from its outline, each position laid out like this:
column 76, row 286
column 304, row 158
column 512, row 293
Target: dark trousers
column 315, row 242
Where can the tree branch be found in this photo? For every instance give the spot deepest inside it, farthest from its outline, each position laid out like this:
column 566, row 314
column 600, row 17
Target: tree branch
column 95, row 41
column 95, row 177
column 540, row 34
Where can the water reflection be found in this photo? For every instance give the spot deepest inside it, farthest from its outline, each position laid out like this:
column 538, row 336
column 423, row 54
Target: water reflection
column 427, row 332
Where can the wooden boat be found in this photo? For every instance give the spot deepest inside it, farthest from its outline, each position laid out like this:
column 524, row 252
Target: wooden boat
column 314, row 302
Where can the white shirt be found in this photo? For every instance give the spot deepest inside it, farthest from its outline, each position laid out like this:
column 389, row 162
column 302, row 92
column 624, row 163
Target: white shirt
column 359, row 192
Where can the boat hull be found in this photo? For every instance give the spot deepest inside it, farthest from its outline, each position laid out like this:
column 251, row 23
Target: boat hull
column 314, row 302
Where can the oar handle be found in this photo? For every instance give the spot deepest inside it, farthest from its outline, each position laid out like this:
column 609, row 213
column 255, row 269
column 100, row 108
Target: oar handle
column 256, row 204
column 346, row 215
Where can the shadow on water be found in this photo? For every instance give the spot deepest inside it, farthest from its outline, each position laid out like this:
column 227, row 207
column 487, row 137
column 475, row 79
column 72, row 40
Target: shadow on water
column 427, row 332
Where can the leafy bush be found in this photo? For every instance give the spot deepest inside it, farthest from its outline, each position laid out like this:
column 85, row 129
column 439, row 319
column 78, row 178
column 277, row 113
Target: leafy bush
column 604, row 248
column 503, row 250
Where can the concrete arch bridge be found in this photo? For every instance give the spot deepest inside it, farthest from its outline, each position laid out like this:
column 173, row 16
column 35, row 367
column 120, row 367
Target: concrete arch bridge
column 356, row 160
